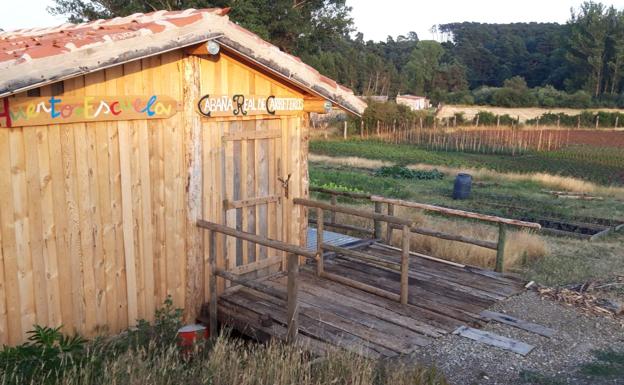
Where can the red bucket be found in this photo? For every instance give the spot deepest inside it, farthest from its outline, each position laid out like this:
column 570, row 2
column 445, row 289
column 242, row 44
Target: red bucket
column 191, row 334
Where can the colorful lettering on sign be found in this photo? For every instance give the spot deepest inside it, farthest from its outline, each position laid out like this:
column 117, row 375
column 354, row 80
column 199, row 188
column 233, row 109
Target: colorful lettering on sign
column 241, row 105
column 58, row 109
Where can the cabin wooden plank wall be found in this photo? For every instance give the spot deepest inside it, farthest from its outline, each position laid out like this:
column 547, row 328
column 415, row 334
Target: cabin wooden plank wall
column 96, row 219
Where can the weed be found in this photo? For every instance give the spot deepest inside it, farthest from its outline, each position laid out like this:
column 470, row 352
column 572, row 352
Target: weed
column 607, row 363
column 402, row 172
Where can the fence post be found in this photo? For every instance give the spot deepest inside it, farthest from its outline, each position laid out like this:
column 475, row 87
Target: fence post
column 293, row 288
column 320, row 267
column 212, row 284
column 332, row 214
column 500, row 249
column 377, row 223
column 361, row 129
column 344, row 130
column 405, row 265
column 389, row 226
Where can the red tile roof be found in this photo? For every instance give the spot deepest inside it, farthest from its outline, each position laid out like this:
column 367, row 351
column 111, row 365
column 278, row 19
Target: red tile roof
column 36, row 43
column 32, row 57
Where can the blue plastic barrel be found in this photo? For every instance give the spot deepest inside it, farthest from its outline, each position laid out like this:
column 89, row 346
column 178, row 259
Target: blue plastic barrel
column 463, row 184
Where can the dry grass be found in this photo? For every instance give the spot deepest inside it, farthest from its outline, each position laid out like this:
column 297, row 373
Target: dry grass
column 521, row 246
column 233, row 362
column 550, row 181
column 546, row 180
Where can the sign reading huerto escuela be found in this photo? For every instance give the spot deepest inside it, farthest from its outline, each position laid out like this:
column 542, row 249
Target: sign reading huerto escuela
column 17, row 112
column 246, row 105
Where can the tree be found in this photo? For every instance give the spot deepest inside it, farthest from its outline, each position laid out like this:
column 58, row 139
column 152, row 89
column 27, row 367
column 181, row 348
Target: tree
column 431, row 70
column 294, row 26
column 588, row 37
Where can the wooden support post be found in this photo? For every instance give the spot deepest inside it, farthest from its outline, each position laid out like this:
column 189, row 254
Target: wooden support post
column 500, row 251
column 332, row 214
column 212, row 284
column 319, row 241
column 377, row 223
column 389, row 227
column 344, row 130
column 405, row 252
column 293, row 288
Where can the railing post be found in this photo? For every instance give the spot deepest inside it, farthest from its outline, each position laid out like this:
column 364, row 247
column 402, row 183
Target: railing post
column 319, row 241
column 332, row 214
column 293, row 288
column 212, row 284
column 405, row 265
column 500, row 249
column 377, row 223
column 389, row 228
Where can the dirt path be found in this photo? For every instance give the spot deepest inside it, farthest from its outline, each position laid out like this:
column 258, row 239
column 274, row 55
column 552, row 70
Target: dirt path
column 554, row 361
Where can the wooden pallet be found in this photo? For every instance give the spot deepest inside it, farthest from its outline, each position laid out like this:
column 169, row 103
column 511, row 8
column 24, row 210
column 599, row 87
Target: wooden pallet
column 442, row 297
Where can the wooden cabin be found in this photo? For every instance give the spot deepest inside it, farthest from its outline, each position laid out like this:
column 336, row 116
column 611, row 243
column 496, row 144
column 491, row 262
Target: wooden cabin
column 116, row 136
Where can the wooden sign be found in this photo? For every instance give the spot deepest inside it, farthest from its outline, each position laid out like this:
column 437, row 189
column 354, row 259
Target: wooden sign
column 17, row 112
column 248, row 105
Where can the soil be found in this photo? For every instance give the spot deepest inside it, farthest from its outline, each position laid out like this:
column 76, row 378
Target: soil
column 553, row 361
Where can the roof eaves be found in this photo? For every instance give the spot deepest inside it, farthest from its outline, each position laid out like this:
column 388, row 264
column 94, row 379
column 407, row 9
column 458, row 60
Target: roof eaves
column 29, row 75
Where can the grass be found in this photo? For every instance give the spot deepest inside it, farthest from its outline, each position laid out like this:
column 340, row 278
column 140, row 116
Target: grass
column 150, row 355
column 607, row 365
column 606, row 168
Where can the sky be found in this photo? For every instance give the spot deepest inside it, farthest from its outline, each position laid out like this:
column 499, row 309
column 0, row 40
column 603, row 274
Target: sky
column 375, row 19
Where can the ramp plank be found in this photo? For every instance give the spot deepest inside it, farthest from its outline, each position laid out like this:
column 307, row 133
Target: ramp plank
column 518, row 323
column 494, row 340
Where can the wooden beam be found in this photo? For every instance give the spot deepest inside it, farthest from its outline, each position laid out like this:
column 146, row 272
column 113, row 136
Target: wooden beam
column 405, row 265
column 292, row 310
column 455, row 212
column 193, row 298
column 317, row 105
column 255, row 266
column 361, row 255
column 389, row 227
column 352, row 211
column 271, row 243
column 500, row 248
column 377, row 224
column 252, row 284
column 212, row 284
column 228, row 205
column 452, row 237
column 361, row 286
column 319, row 242
column 250, row 135
column 343, row 227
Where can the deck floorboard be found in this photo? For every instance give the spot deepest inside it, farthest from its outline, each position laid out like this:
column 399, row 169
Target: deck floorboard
column 442, row 297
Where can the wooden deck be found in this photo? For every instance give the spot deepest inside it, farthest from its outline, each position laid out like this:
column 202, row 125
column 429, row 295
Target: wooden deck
column 442, row 297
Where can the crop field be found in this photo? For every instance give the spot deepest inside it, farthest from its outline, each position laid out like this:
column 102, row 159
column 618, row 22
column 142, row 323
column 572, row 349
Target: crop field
column 604, row 165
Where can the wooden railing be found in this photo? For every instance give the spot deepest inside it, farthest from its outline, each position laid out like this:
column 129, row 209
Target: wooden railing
column 380, row 201
column 293, row 251
column 321, row 247
column 503, row 224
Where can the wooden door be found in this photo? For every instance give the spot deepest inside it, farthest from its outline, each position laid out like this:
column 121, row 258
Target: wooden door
column 253, row 193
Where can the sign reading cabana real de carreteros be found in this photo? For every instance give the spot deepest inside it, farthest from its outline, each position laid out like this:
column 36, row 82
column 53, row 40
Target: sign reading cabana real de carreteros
column 247, row 105
column 36, row 111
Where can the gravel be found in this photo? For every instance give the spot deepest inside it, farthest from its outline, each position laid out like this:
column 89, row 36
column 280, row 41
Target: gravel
column 555, row 360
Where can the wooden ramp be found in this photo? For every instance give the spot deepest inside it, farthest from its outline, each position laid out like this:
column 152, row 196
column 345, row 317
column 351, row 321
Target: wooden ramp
column 442, row 297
